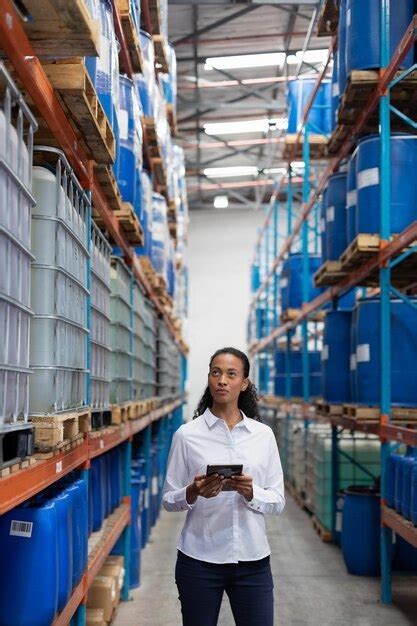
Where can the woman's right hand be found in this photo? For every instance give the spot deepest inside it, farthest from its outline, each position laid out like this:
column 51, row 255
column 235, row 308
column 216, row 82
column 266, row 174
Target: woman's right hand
column 205, row 486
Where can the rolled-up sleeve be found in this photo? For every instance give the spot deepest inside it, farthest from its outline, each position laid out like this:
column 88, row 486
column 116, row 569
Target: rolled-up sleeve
column 176, row 482
column 270, row 497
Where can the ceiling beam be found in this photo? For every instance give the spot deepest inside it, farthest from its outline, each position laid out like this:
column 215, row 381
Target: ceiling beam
column 217, row 23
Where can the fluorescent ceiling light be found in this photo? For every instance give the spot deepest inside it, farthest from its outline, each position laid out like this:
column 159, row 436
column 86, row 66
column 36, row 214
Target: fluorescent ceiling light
column 245, row 60
column 221, row 202
column 249, row 126
column 225, row 172
column 310, row 56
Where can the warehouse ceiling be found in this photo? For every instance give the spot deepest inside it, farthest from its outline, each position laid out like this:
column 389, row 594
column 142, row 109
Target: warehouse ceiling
column 203, row 29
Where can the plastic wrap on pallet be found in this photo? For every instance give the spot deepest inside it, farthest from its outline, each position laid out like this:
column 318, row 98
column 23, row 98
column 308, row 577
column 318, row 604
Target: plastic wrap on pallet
column 160, row 235
column 17, row 126
column 169, row 81
column 146, row 81
column 146, row 214
column 58, row 343
column 163, row 17
column 100, row 320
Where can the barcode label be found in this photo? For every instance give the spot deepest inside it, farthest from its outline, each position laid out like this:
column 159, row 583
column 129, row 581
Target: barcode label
column 21, row 529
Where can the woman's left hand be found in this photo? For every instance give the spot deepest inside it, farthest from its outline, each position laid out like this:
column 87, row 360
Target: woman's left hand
column 244, row 485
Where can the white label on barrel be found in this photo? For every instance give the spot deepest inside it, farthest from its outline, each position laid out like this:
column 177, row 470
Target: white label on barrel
column 21, row 529
column 154, row 485
column 335, row 90
column 101, row 444
column 348, row 17
column 323, row 225
column 368, row 178
column 58, row 467
column 325, row 353
column 283, row 283
column 330, row 214
column 352, row 198
column 338, row 525
column 123, row 124
column 353, row 362
column 363, row 353
column 147, row 498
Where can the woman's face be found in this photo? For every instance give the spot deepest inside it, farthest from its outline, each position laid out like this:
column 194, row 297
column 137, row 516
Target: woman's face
column 226, row 379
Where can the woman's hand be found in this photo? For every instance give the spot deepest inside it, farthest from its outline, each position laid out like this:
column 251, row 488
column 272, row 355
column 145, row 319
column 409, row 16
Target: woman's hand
column 244, row 485
column 207, row 487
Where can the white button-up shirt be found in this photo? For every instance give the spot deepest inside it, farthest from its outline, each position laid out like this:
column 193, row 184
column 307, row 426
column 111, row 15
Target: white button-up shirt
column 226, row 528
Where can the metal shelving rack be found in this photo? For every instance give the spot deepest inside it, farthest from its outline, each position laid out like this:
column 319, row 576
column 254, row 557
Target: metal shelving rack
column 391, row 252
column 26, row 483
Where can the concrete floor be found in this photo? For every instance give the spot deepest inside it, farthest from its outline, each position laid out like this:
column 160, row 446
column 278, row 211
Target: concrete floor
column 312, row 587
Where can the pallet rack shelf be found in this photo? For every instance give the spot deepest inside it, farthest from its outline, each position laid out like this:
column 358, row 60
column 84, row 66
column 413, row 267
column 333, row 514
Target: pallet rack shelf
column 33, row 77
column 390, row 253
column 25, row 483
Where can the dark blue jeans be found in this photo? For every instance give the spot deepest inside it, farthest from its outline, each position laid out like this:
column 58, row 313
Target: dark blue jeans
column 248, row 585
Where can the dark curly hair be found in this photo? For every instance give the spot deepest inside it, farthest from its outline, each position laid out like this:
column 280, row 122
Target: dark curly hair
column 248, row 399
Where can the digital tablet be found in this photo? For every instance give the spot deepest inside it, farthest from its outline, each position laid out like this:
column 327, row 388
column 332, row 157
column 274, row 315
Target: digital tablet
column 225, row 470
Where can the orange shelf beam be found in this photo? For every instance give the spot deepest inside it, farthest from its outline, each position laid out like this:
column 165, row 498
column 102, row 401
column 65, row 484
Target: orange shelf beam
column 77, row 596
column 401, row 526
column 390, row 432
column 107, row 441
column 24, row 484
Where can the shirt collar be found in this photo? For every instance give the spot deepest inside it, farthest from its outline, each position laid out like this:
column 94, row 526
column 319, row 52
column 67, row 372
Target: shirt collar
column 211, row 420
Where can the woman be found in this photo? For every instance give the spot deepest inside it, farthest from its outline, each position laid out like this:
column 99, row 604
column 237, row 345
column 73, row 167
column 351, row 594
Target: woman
column 223, row 545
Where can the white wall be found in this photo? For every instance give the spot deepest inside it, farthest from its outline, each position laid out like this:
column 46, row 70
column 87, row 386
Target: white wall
column 221, row 245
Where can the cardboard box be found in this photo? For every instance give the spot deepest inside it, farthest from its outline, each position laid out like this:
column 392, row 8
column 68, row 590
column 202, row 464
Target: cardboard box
column 102, row 595
column 116, row 572
column 95, row 617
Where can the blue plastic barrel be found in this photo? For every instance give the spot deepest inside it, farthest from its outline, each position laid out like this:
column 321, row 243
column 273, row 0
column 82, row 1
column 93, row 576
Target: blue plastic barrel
column 405, row 557
column 390, row 474
column 326, row 96
column 360, row 531
column 363, row 35
column 29, row 572
column 352, row 365
column 351, row 199
column 341, row 48
column 291, row 281
column 63, row 502
column 100, row 68
column 336, row 216
column 403, row 352
column 335, row 91
column 323, row 226
column 336, row 357
column 127, row 157
column 255, row 277
column 98, row 493
column 296, row 373
column 399, row 476
column 135, row 534
column 299, row 93
column 78, row 491
column 155, row 484
column 409, row 461
column 115, row 457
column 413, row 498
column 403, row 183
column 146, row 214
column 340, row 501
column 159, row 229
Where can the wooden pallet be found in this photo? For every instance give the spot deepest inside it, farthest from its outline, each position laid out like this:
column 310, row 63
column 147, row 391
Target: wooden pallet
column 64, row 446
column 100, row 419
column 360, row 86
column 59, row 28
column 75, row 90
column 16, row 467
column 120, row 413
column 330, row 273
column 360, row 412
column 172, row 119
column 289, row 315
column 156, row 280
column 131, row 35
column 366, row 247
column 155, row 155
column 324, row 534
column 108, row 182
column 328, row 18
column 130, row 224
column 53, row 430
column 404, row 414
column 327, row 409
column 317, row 143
